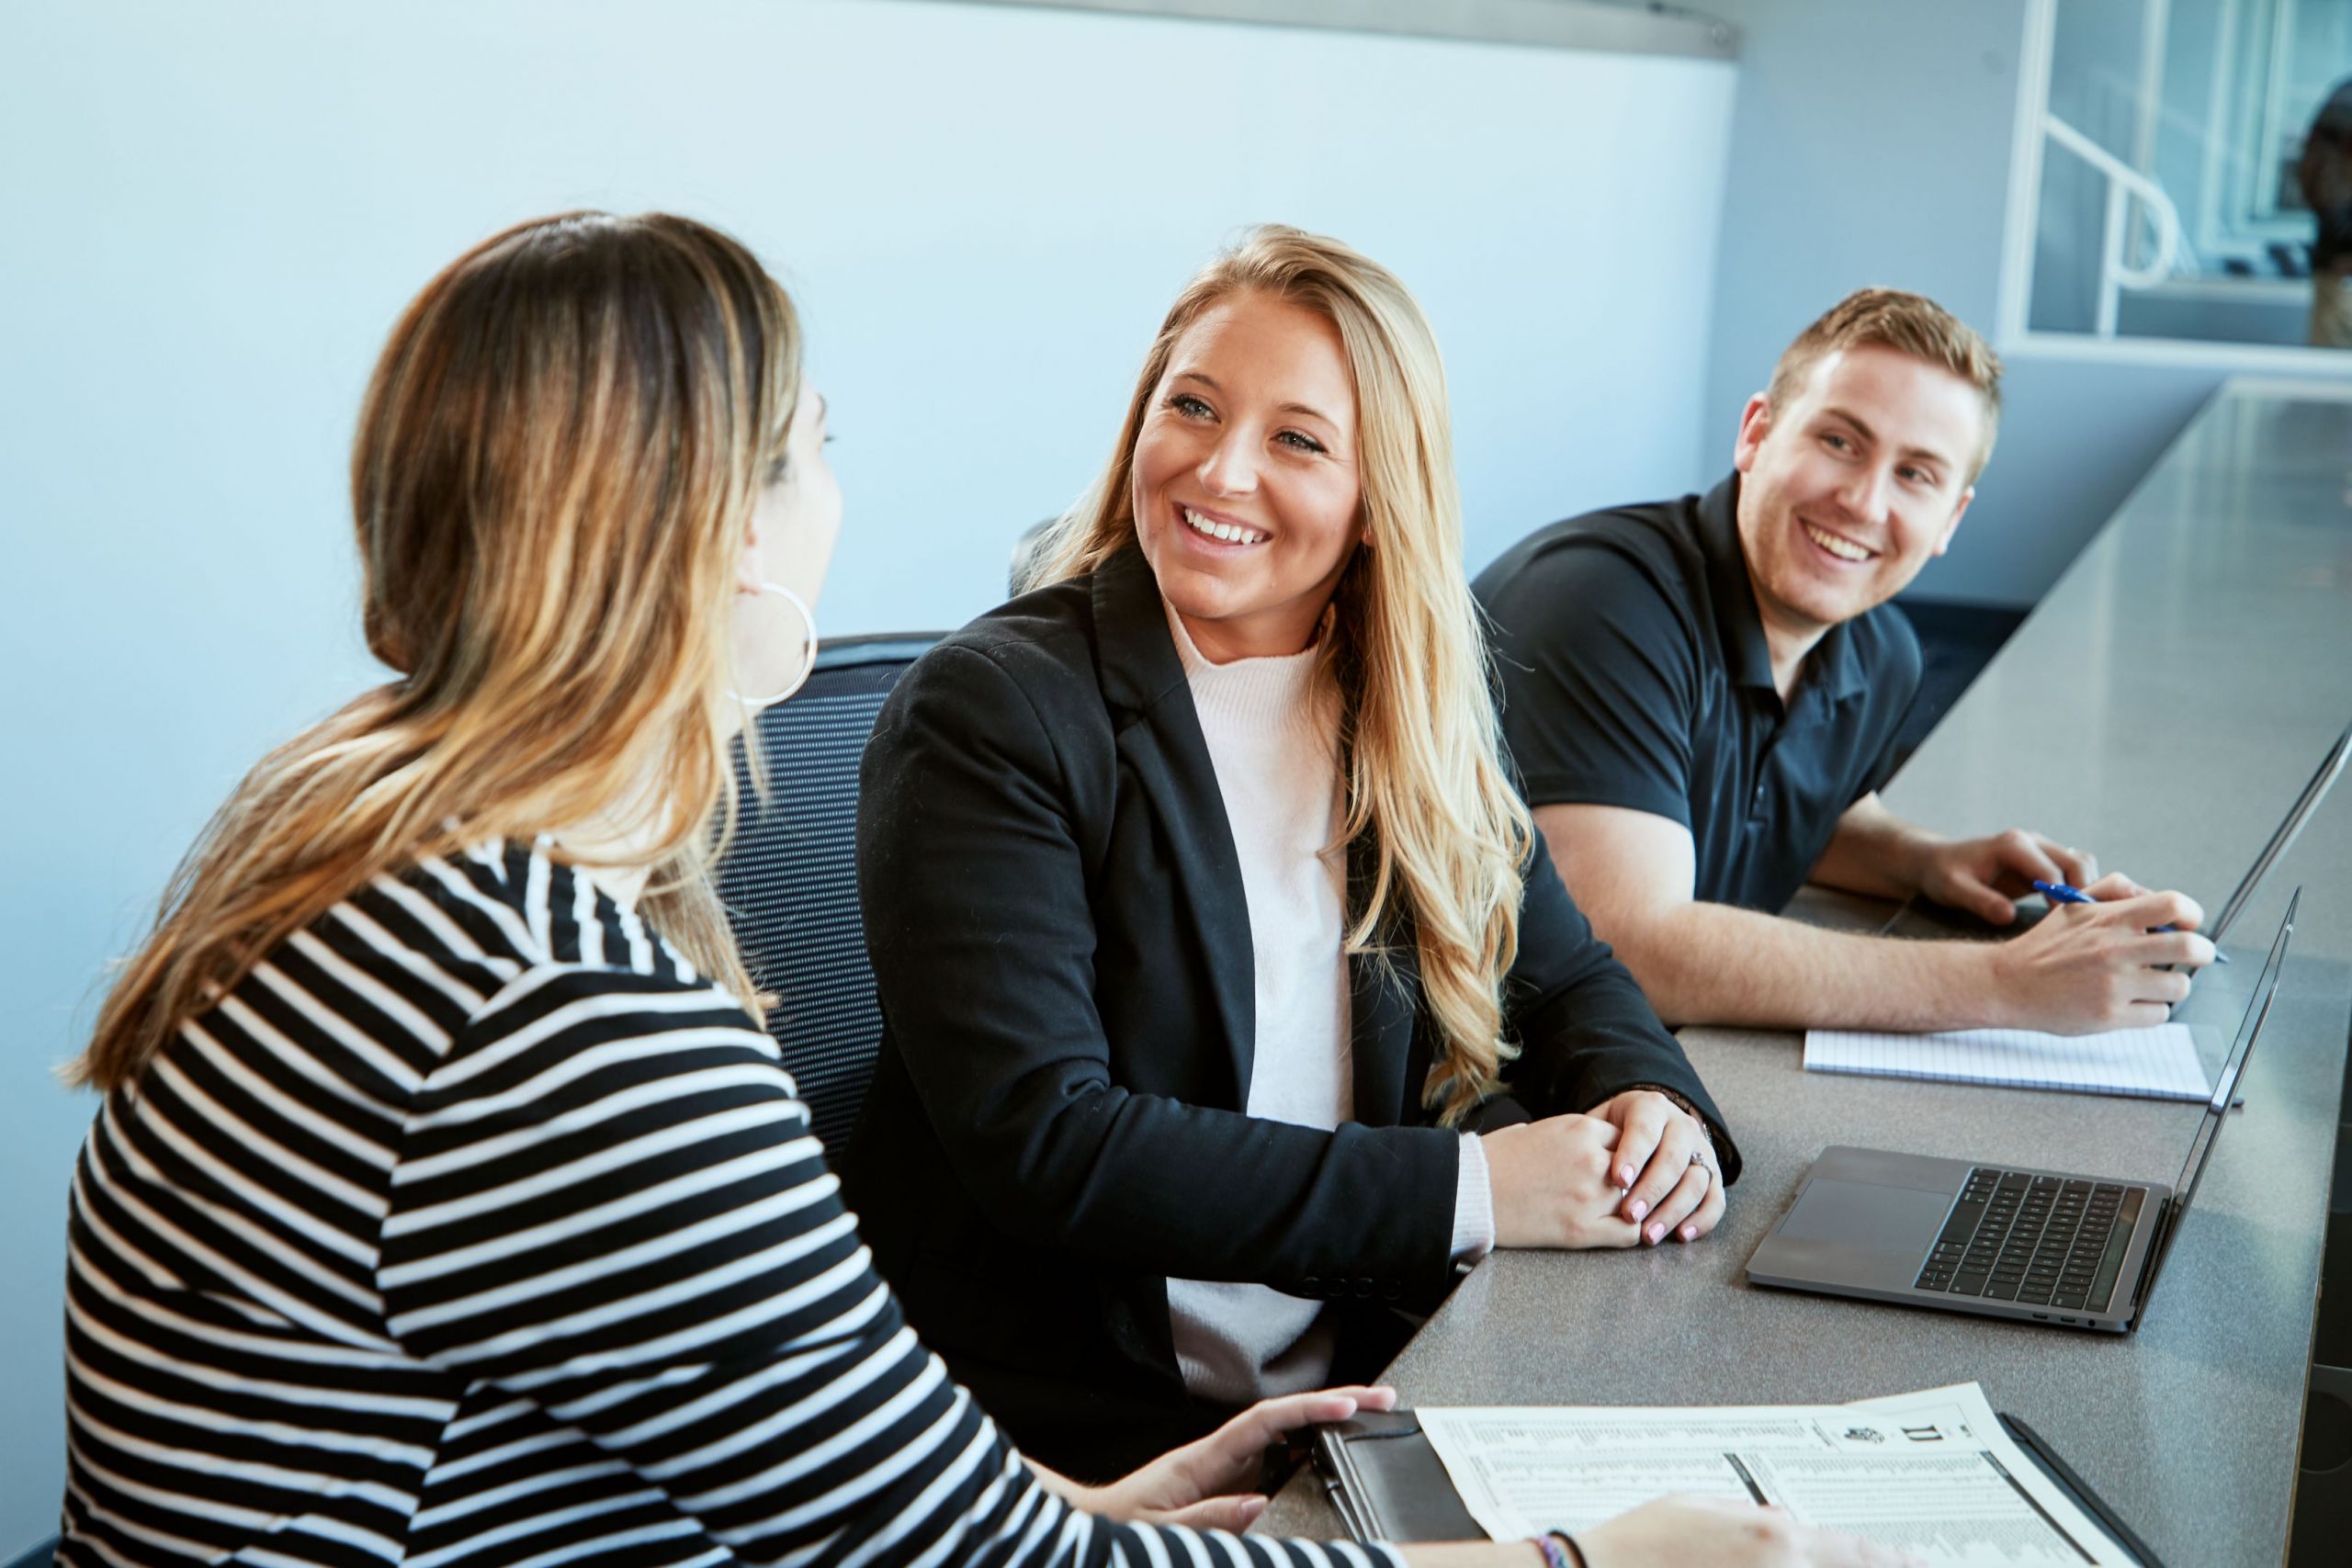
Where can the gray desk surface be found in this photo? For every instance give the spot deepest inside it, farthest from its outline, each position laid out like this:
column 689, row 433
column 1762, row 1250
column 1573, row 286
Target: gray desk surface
column 2188, row 1428
column 2197, row 660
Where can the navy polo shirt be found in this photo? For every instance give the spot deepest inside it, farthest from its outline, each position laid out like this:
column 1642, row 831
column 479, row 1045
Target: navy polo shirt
column 1633, row 673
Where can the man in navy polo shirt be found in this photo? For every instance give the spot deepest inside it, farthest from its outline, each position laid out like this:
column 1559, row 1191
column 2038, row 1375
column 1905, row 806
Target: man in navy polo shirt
column 1701, row 696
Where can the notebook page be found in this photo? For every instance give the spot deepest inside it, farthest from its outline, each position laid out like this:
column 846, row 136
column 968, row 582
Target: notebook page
column 2158, row 1062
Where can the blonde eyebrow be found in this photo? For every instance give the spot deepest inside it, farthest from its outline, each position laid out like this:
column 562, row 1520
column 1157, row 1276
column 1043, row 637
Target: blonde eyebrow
column 1309, row 409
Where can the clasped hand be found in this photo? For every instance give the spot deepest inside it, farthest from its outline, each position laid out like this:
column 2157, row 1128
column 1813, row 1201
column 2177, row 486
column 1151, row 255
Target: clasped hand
column 1635, row 1169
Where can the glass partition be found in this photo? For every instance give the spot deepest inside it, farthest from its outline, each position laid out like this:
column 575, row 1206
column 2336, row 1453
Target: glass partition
column 2195, row 172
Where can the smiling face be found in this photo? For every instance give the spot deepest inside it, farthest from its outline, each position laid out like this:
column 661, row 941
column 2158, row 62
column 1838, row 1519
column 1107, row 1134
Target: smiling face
column 1851, row 487
column 1243, row 483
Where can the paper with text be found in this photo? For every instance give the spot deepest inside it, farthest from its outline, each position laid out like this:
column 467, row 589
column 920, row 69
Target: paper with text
column 2158, row 1062
column 1929, row 1472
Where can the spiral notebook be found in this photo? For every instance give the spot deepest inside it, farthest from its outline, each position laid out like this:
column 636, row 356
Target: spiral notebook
column 2158, row 1062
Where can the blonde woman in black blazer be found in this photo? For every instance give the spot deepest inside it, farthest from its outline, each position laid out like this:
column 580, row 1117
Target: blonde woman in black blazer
column 1059, row 1124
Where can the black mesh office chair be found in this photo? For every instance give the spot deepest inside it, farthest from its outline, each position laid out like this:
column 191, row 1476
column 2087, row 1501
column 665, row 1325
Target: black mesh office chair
column 1024, row 551
column 790, row 878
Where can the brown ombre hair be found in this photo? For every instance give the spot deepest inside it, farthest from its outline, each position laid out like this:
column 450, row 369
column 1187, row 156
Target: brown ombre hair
column 553, row 477
column 1428, row 797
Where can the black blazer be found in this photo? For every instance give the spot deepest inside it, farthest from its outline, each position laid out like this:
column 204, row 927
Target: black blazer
column 1055, row 918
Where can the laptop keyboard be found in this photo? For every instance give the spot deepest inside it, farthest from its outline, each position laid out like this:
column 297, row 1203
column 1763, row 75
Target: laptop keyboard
column 2038, row 1240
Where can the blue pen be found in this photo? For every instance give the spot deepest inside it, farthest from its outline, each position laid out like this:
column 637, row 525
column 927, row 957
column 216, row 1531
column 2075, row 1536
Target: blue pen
column 2059, row 893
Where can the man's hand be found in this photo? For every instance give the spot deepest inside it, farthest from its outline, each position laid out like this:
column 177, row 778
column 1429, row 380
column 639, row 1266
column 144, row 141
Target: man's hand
column 1986, row 876
column 1697, row 962
column 1210, row 1483
column 2088, row 968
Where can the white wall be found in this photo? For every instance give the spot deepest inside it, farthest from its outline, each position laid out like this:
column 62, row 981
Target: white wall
column 210, row 214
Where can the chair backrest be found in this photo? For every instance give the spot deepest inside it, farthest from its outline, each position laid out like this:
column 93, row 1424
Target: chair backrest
column 1025, row 552
column 790, row 876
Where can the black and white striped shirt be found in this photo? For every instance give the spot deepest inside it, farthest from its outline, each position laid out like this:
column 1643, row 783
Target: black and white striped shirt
column 475, row 1227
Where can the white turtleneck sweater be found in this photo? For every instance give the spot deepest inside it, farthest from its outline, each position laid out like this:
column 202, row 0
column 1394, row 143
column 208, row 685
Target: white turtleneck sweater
column 1272, row 734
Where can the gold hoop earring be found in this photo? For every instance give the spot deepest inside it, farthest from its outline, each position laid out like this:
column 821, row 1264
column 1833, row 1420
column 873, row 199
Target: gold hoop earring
column 807, row 665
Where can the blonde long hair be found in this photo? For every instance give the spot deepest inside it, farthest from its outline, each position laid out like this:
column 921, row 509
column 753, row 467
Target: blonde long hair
column 1428, row 797
column 553, row 477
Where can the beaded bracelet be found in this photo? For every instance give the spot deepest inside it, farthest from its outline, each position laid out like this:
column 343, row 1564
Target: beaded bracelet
column 1560, row 1549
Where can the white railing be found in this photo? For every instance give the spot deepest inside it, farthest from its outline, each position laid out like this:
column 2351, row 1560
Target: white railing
column 2123, row 183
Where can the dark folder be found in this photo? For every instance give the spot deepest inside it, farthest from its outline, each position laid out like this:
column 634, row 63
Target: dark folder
column 2075, row 1486
column 1387, row 1483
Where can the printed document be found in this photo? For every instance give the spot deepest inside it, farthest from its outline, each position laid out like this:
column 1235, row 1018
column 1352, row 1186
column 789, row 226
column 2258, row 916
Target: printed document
column 1931, row 1472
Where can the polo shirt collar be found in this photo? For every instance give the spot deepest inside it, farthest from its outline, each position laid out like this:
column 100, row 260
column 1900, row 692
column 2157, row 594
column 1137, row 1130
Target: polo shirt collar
column 1832, row 666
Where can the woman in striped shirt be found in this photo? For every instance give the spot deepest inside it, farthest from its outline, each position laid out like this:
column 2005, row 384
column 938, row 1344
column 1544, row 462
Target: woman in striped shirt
column 448, row 1205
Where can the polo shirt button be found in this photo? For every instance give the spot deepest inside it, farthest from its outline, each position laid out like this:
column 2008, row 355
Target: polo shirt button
column 1309, row 1285
column 1389, row 1290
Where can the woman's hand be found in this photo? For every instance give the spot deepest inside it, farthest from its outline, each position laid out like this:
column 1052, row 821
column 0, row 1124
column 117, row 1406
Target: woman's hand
column 1715, row 1532
column 1683, row 1532
column 1664, row 1163
column 1553, row 1185
column 1212, row 1484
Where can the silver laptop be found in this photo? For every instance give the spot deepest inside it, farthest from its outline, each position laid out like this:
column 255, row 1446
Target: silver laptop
column 1923, row 917
column 2047, row 1246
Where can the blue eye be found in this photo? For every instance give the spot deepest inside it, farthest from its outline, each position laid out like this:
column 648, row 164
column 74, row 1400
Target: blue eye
column 1300, row 440
column 1188, row 405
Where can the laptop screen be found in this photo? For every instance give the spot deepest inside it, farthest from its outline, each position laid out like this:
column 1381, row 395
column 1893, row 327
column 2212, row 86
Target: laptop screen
column 2225, row 1087
column 2293, row 824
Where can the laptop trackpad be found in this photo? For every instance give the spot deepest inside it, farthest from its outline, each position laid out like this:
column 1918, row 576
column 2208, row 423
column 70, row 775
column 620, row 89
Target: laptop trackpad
column 1865, row 1216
